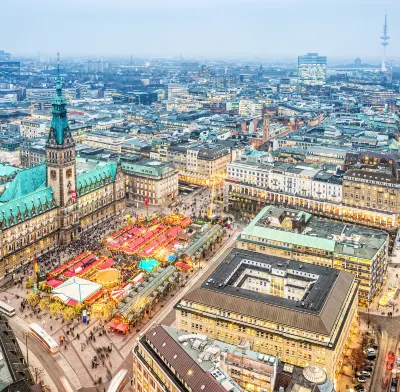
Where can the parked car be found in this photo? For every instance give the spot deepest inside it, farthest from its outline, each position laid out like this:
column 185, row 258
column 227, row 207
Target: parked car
column 374, row 346
column 370, row 351
column 363, row 373
column 360, row 388
column 398, row 360
column 361, row 379
column 389, row 364
column 367, row 368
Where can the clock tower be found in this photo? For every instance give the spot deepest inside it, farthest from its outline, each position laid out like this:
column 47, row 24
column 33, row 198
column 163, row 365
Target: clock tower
column 61, row 166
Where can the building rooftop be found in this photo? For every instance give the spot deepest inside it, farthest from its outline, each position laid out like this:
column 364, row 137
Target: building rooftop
column 317, row 310
column 195, row 366
column 327, row 235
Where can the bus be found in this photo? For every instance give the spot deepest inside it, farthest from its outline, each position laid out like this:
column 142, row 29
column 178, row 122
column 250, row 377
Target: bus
column 7, row 309
column 44, row 338
column 117, row 381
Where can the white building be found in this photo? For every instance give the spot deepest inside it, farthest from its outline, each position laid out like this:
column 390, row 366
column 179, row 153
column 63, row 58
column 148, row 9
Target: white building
column 32, row 129
column 250, row 108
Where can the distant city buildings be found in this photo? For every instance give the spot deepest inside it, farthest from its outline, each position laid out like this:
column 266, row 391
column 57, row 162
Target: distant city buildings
column 4, row 56
column 312, row 69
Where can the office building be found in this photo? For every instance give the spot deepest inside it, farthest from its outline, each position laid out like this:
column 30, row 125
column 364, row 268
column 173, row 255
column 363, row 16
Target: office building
column 4, row 56
column 238, row 369
column 249, row 108
column 197, row 163
column 297, row 235
column 312, row 69
column 10, row 68
column 256, row 180
column 32, row 129
column 303, row 313
column 234, row 367
column 155, row 180
column 177, row 91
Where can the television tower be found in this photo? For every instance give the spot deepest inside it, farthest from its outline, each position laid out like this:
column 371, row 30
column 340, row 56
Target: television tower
column 385, row 38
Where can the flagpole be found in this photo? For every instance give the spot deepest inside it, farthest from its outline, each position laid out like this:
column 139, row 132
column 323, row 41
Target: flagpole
column 147, row 206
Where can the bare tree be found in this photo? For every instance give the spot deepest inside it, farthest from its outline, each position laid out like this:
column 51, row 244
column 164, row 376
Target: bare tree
column 37, row 374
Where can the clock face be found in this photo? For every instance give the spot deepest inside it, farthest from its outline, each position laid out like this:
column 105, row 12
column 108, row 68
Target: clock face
column 53, row 174
column 69, row 173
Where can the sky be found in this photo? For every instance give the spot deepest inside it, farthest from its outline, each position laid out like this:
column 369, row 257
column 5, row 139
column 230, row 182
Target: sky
column 251, row 29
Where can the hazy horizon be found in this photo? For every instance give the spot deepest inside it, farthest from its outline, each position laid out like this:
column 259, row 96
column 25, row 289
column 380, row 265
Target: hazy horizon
column 252, row 29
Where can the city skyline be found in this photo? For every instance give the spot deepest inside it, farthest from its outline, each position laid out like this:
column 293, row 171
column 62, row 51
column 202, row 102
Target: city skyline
column 259, row 29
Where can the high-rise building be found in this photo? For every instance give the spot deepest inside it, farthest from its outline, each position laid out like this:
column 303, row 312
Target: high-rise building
column 4, row 56
column 312, row 69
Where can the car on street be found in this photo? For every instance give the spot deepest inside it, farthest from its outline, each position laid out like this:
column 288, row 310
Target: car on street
column 393, row 384
column 398, row 360
column 361, row 379
column 389, row 364
column 391, row 355
column 370, row 353
column 360, row 388
column 367, row 368
column 363, row 373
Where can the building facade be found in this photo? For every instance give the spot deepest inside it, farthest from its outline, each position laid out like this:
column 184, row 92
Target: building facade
column 198, row 163
column 240, row 369
column 52, row 203
column 256, row 181
column 303, row 313
column 32, row 129
column 312, row 69
column 296, row 235
column 156, row 180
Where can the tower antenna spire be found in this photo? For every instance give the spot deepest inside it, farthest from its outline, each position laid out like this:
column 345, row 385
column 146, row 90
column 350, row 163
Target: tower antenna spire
column 384, row 42
column 58, row 87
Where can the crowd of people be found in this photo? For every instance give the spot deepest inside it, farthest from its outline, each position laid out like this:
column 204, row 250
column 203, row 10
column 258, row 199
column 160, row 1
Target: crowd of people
column 91, row 239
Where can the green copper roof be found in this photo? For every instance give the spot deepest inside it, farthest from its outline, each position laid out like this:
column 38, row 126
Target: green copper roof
column 253, row 230
column 25, row 182
column 27, row 206
column 147, row 167
column 289, row 238
column 8, row 170
column 59, row 123
column 94, row 179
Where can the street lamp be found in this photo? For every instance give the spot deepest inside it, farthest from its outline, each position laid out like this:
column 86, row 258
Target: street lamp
column 26, row 334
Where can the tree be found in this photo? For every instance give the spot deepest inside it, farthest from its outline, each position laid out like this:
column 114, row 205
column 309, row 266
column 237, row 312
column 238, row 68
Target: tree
column 357, row 357
column 37, row 374
column 56, row 307
column 32, row 299
column 44, row 303
column 29, row 283
column 68, row 313
column 108, row 309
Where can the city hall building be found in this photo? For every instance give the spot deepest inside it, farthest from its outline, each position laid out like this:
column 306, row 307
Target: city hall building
column 303, row 313
column 52, row 203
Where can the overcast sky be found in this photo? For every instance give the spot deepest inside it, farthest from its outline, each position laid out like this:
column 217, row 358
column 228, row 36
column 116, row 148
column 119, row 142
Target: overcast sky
column 206, row 28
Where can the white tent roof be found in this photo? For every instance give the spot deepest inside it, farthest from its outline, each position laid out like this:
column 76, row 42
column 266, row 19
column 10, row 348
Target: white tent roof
column 77, row 289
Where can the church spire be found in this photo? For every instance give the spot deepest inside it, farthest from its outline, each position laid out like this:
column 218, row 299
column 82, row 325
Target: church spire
column 60, row 133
